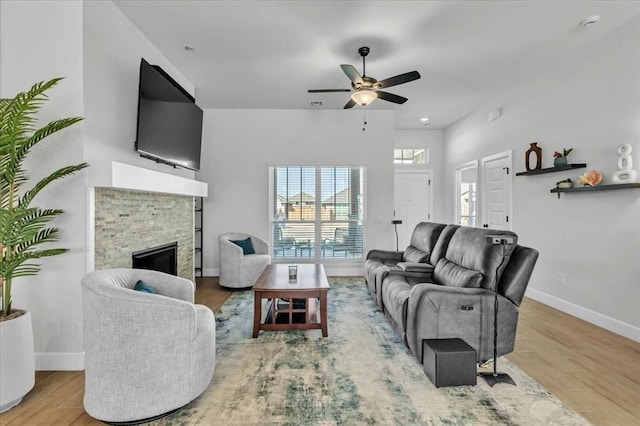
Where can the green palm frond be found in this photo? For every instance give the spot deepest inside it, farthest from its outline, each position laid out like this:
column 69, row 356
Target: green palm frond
column 22, row 265
column 58, row 174
column 23, row 228
column 3, row 105
column 26, row 144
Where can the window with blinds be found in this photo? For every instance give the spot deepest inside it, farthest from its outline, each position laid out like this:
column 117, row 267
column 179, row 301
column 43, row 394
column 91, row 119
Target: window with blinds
column 317, row 212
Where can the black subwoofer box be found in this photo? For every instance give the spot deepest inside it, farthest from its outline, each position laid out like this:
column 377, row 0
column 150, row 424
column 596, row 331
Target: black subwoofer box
column 449, row 362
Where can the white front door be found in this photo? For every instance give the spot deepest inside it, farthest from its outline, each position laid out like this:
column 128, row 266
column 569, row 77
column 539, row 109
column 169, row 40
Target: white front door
column 412, row 202
column 495, row 191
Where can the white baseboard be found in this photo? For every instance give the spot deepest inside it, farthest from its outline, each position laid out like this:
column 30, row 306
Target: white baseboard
column 616, row 326
column 59, row 361
column 213, row 272
column 344, row 270
column 335, row 270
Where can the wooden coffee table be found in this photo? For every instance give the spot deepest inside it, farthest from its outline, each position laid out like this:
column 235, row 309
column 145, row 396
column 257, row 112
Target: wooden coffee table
column 310, row 286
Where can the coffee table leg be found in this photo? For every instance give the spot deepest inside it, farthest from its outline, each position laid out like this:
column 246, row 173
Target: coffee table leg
column 323, row 313
column 257, row 312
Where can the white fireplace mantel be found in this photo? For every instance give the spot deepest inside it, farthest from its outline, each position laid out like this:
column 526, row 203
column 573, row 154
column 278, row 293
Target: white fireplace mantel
column 125, row 176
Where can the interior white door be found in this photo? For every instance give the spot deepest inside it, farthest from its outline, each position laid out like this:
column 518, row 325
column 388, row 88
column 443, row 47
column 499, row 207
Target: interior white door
column 412, row 202
column 496, row 191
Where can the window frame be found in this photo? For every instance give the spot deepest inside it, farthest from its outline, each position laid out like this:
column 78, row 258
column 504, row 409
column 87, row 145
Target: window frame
column 403, row 164
column 318, row 221
column 457, row 179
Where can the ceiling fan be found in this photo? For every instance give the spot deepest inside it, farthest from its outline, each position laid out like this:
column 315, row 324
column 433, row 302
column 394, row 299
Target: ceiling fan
column 365, row 89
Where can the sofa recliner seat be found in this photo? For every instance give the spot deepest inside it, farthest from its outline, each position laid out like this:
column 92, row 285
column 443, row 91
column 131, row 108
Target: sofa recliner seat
column 379, row 263
column 456, row 299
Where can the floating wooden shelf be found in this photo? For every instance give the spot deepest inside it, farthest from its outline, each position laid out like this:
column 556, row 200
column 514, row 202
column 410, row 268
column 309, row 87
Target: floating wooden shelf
column 552, row 169
column 596, row 188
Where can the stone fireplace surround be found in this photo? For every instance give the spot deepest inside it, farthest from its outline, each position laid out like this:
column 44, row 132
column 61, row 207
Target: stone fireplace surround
column 132, row 209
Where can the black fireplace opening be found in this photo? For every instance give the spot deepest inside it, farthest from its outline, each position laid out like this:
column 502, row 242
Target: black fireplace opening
column 162, row 258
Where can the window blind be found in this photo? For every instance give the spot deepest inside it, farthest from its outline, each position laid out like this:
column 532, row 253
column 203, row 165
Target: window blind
column 317, row 212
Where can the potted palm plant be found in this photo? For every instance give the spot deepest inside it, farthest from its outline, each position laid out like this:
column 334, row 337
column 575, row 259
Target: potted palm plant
column 24, row 231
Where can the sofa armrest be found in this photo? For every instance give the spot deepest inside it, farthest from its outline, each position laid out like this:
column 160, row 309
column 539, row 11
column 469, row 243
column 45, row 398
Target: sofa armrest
column 412, row 277
column 385, row 255
column 415, row 267
column 435, row 311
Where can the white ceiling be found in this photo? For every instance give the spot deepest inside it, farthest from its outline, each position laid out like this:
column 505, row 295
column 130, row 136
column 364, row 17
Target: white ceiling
column 266, row 54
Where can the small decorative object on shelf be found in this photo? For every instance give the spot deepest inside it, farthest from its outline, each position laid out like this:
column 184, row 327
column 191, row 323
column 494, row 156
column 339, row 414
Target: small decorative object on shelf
column 534, row 149
column 567, row 183
column 625, row 174
column 560, row 158
column 591, row 178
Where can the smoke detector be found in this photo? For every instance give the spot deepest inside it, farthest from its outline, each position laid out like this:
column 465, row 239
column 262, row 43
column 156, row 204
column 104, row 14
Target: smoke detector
column 593, row 19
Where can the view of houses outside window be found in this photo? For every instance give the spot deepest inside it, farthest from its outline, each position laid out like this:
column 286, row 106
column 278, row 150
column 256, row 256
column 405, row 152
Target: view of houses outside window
column 468, row 203
column 409, row 156
column 318, row 212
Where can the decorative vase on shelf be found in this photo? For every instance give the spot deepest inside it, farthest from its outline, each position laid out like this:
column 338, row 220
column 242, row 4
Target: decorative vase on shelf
column 537, row 151
column 625, row 174
column 560, row 161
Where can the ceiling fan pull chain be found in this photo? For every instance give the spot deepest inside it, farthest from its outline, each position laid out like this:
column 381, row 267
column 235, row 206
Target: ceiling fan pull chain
column 364, row 119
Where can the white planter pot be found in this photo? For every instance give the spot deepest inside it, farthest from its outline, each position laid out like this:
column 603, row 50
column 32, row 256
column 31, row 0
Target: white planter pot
column 17, row 361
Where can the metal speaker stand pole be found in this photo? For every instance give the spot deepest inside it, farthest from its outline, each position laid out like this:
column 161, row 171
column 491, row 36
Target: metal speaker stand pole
column 396, row 222
column 494, row 377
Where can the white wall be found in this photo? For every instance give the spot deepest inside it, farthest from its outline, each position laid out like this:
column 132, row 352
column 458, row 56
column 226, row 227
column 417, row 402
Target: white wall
column 589, row 101
column 111, row 56
column 431, row 139
column 239, row 145
column 98, row 50
column 39, row 41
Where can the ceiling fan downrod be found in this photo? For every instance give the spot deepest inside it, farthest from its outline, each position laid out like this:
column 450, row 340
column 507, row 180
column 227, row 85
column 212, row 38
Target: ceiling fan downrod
column 364, row 51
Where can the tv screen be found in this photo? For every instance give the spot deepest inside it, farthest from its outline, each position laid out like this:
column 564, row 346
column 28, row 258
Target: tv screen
column 169, row 121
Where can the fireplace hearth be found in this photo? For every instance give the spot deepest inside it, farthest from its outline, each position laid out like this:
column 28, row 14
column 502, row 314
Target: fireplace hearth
column 162, row 258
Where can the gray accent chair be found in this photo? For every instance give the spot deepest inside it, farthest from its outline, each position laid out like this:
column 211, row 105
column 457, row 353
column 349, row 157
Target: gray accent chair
column 238, row 270
column 146, row 355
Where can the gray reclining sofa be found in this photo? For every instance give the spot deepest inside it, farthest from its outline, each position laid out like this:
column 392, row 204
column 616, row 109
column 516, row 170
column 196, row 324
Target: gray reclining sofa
column 442, row 285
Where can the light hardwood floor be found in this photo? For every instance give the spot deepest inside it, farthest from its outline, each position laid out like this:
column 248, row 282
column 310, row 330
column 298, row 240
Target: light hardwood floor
column 595, row 372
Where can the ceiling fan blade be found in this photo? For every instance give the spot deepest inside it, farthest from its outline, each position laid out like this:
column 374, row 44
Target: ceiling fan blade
column 327, row 90
column 391, row 97
column 399, row 79
column 350, row 104
column 352, row 73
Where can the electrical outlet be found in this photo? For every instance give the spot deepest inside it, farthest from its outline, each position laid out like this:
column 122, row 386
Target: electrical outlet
column 560, row 278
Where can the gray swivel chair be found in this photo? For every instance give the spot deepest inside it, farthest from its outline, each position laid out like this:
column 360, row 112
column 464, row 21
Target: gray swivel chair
column 237, row 269
column 146, row 355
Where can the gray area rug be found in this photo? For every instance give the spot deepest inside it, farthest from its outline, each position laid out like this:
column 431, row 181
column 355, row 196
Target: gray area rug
column 360, row 374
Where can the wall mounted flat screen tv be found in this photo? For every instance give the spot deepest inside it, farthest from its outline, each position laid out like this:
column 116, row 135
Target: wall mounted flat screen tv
column 169, row 122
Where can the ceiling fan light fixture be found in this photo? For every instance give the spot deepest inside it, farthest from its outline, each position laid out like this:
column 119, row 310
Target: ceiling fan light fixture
column 364, row 96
